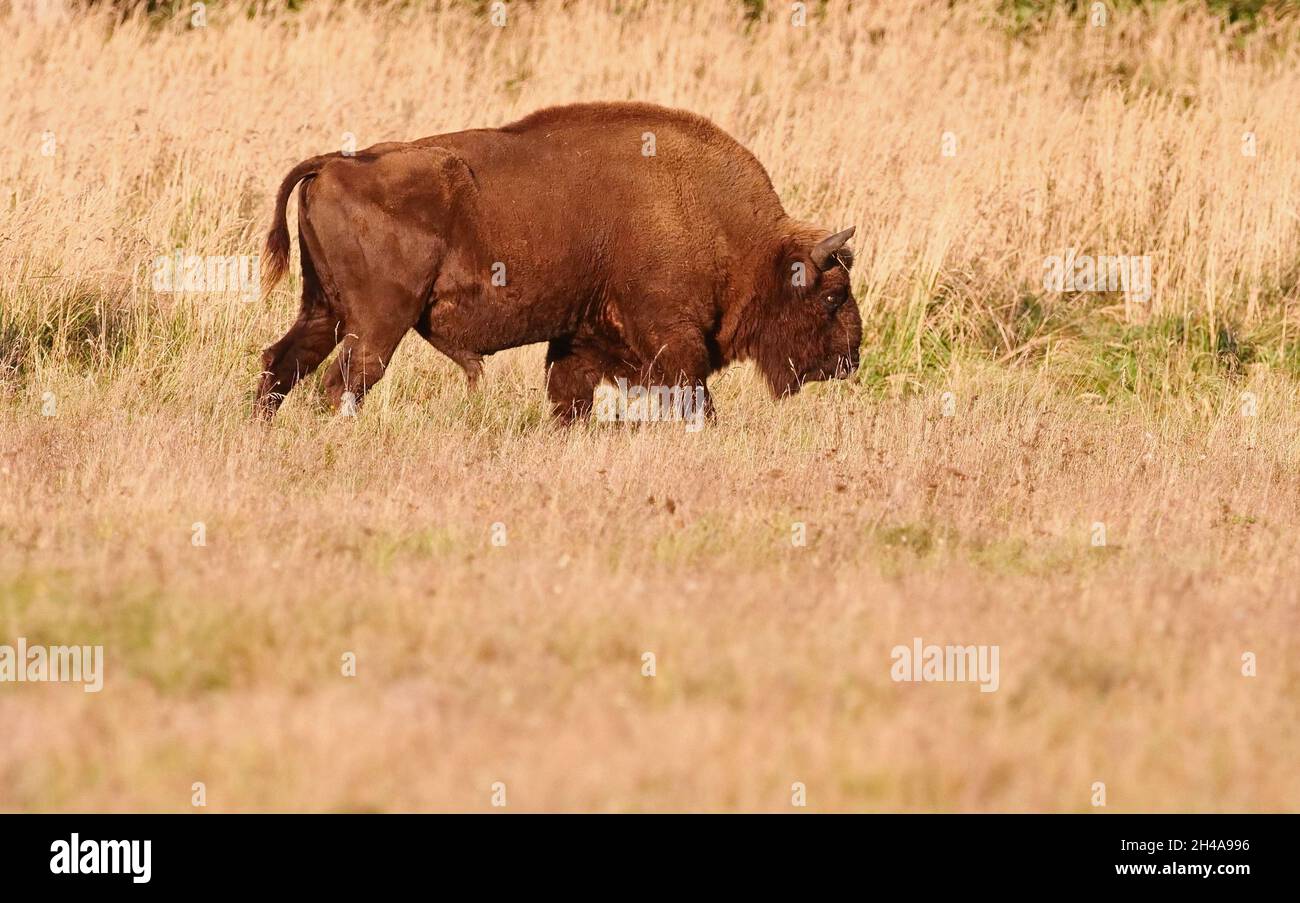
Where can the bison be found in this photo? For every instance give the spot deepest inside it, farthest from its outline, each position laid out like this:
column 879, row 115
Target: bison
column 642, row 243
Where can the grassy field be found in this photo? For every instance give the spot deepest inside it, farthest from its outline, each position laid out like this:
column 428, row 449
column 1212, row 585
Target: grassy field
column 500, row 580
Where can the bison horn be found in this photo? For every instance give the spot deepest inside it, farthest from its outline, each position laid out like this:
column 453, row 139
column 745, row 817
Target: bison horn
column 823, row 250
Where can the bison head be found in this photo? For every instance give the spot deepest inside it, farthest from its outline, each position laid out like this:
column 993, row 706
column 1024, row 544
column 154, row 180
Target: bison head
column 807, row 325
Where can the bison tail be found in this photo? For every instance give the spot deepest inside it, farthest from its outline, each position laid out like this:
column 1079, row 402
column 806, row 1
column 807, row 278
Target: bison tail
column 277, row 240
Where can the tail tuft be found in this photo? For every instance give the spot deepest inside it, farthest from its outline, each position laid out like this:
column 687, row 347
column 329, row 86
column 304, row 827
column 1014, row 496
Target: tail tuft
column 277, row 240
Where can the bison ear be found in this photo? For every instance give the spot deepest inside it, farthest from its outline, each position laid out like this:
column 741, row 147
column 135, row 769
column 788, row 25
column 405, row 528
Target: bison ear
column 826, row 248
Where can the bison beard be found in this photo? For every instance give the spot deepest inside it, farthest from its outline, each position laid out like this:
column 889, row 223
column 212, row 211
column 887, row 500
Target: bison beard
column 641, row 243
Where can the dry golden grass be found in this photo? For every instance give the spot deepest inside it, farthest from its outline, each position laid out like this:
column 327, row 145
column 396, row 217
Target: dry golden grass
column 522, row 664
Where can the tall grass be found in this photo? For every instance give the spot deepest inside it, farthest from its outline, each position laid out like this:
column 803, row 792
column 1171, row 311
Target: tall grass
column 1120, row 139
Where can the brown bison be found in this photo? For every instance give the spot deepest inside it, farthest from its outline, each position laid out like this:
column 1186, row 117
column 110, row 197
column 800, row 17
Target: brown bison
column 643, row 244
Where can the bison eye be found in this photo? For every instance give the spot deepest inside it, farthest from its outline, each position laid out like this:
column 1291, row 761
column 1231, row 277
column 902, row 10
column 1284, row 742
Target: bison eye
column 833, row 300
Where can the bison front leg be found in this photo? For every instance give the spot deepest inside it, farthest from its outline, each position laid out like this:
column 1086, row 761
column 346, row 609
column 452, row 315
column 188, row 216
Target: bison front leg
column 683, row 362
column 574, row 367
column 571, row 380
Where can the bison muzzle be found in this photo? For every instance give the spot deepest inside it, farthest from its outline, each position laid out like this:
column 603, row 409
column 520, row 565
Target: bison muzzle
column 640, row 242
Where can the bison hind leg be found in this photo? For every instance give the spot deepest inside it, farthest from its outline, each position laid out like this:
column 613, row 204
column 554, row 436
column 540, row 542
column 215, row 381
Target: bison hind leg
column 308, row 342
column 366, row 354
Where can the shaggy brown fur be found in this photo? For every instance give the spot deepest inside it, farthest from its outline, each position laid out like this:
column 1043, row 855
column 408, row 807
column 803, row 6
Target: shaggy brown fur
column 637, row 241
